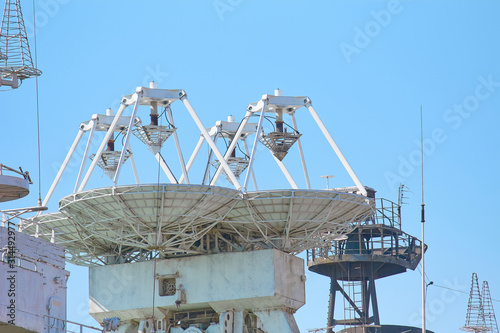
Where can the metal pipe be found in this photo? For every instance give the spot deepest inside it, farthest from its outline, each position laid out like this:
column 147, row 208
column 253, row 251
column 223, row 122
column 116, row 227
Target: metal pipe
column 134, row 168
column 285, row 172
column 254, row 181
column 178, row 148
column 210, row 142
column 232, row 146
column 127, row 139
column 346, row 165
column 63, row 167
column 101, row 147
column 301, row 153
column 86, row 154
column 166, row 169
column 193, row 156
column 255, row 143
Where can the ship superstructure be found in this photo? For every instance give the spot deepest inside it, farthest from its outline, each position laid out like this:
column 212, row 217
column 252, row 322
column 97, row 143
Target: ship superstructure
column 190, row 255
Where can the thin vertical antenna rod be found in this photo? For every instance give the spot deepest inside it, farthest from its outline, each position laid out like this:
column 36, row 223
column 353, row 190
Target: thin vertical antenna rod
column 423, row 222
column 37, row 111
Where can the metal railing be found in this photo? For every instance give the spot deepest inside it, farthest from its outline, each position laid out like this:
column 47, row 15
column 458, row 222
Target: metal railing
column 387, row 213
column 371, row 241
column 13, row 219
column 56, row 325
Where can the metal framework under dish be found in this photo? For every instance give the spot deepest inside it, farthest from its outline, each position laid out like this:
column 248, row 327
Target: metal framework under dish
column 127, row 223
column 131, row 223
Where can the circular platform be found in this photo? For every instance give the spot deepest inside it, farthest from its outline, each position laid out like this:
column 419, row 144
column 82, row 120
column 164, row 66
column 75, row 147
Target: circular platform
column 377, row 248
column 12, row 188
column 127, row 223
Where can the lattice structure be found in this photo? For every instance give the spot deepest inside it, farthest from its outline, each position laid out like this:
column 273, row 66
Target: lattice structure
column 279, row 142
column 474, row 321
column 153, row 135
column 109, row 161
column 489, row 312
column 15, row 56
column 236, row 164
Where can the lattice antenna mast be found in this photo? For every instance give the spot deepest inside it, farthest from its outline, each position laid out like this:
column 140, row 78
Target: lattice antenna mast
column 489, row 312
column 16, row 63
column 474, row 320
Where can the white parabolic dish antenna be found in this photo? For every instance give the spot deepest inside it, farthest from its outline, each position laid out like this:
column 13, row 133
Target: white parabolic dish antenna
column 128, row 223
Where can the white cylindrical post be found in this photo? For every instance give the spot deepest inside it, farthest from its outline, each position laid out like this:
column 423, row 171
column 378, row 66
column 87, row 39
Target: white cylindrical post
column 301, row 153
column 103, row 145
column 127, row 139
column 232, row 146
column 134, row 168
column 285, row 172
column 254, row 181
column 212, row 145
column 327, row 135
column 86, row 154
column 166, row 169
column 63, row 167
column 255, row 143
column 185, row 176
column 423, row 279
column 193, row 157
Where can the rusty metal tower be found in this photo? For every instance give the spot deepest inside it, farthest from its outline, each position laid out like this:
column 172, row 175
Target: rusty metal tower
column 489, row 313
column 16, row 63
column 474, row 320
column 375, row 249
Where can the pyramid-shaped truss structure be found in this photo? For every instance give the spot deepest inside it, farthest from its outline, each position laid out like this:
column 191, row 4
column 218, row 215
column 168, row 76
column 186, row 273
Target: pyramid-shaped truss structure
column 474, row 320
column 15, row 55
column 279, row 142
column 489, row 313
column 236, row 164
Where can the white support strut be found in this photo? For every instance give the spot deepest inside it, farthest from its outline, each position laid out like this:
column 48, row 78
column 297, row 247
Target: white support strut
column 86, row 154
column 127, row 139
column 232, row 146
column 327, row 135
column 210, row 142
column 254, row 181
column 255, row 143
column 185, row 175
column 301, row 153
column 63, row 167
column 285, row 172
column 134, row 168
column 193, row 156
column 166, row 169
column 102, row 147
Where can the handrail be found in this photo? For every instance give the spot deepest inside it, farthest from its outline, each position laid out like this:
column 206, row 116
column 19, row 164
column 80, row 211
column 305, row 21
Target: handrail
column 60, row 326
column 400, row 245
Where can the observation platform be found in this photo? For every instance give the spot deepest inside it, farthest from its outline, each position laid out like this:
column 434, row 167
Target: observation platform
column 377, row 245
column 15, row 186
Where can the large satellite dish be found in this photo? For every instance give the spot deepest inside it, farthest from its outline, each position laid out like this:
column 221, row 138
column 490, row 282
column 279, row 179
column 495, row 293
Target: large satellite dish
column 128, row 223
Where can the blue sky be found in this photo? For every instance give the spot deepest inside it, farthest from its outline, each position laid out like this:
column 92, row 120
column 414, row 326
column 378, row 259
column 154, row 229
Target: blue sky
column 366, row 65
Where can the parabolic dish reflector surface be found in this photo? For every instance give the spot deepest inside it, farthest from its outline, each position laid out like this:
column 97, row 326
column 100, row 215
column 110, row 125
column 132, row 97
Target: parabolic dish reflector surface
column 129, row 223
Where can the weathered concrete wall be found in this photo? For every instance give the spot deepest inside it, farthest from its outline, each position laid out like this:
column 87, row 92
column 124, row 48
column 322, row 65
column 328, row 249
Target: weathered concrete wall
column 33, row 281
column 266, row 279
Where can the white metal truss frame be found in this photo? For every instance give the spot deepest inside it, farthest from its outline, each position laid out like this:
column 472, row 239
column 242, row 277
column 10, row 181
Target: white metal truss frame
column 228, row 130
column 288, row 105
column 126, row 125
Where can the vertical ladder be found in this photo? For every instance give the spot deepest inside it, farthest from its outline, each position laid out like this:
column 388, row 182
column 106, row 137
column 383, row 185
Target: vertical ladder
column 355, row 291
